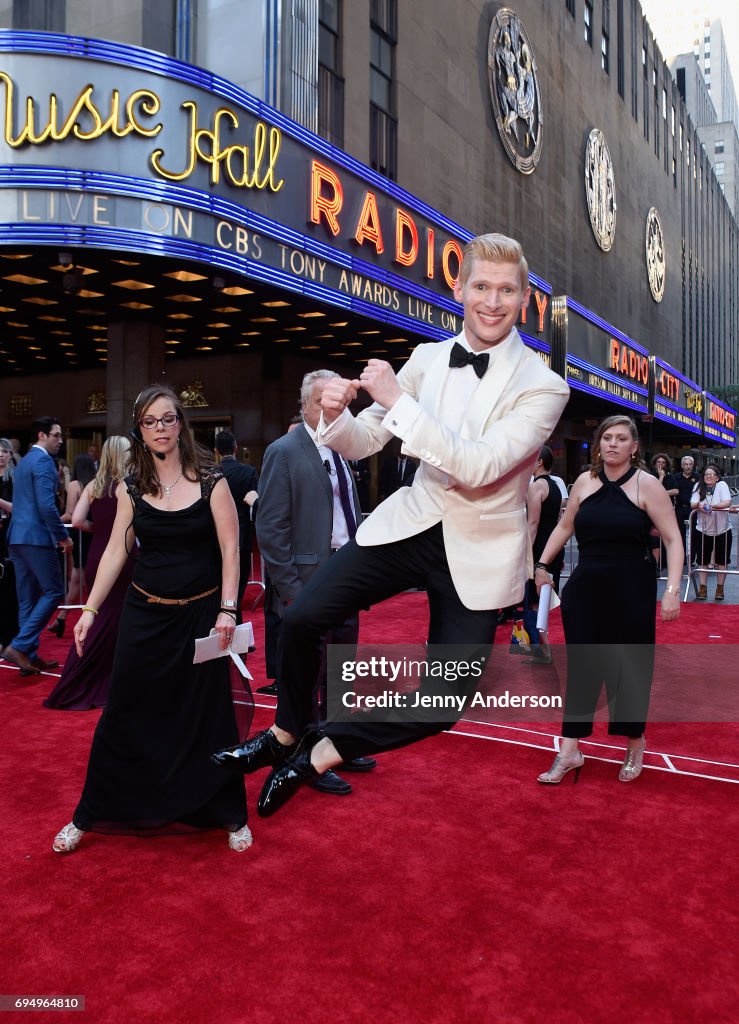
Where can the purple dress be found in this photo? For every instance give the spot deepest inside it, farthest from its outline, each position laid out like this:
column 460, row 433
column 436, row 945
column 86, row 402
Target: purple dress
column 85, row 682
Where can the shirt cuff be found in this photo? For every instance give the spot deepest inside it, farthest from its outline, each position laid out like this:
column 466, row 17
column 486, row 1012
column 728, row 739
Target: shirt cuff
column 402, row 416
column 324, row 431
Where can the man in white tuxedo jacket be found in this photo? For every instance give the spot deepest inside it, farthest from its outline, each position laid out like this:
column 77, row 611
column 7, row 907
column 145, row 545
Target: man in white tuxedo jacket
column 474, row 410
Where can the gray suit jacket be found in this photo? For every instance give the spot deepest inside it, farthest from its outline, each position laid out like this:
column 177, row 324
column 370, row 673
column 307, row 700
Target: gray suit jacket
column 296, row 512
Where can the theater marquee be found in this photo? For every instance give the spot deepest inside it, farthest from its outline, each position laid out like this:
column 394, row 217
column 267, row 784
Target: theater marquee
column 118, row 147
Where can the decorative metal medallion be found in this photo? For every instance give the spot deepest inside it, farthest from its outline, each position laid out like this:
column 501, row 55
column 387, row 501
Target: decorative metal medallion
column 20, row 405
column 600, row 189
column 655, row 253
column 514, row 89
column 192, row 395
column 97, row 402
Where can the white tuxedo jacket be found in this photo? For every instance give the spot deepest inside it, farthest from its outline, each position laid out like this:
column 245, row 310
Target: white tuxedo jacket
column 474, row 482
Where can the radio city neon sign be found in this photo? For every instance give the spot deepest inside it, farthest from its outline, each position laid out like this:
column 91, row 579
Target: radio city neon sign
column 326, row 207
column 628, row 362
column 723, row 417
column 668, row 385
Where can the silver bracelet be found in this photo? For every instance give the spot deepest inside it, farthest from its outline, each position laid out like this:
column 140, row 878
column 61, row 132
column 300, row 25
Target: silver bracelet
column 229, row 604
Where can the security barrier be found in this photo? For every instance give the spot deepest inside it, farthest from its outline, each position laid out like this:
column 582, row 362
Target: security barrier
column 692, row 552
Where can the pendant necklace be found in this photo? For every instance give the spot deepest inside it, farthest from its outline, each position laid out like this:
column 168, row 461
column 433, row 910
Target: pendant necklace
column 167, row 488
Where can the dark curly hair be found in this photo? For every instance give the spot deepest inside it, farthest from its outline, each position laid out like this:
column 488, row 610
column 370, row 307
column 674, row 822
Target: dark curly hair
column 702, row 486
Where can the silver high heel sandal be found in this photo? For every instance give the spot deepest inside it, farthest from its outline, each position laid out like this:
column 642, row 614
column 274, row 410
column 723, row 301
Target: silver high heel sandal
column 631, row 769
column 241, row 840
column 563, row 763
column 68, row 839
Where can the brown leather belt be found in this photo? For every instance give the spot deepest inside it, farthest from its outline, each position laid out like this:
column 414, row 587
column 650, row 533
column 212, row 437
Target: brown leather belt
column 153, row 599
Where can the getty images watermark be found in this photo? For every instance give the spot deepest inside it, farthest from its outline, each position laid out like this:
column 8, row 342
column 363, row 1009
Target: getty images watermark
column 499, row 684
column 441, row 683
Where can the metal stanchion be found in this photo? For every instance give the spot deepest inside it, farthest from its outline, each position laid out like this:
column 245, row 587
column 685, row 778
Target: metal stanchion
column 256, row 580
column 71, row 607
column 692, row 571
column 570, row 559
column 81, row 559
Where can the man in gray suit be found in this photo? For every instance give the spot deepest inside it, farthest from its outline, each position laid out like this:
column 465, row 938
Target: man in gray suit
column 308, row 509
column 36, row 531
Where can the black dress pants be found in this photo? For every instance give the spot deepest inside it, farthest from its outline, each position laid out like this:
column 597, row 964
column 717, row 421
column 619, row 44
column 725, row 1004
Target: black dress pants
column 354, row 578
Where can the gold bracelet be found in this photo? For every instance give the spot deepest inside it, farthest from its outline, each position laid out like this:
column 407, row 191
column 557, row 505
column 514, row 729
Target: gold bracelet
column 670, row 589
column 87, row 608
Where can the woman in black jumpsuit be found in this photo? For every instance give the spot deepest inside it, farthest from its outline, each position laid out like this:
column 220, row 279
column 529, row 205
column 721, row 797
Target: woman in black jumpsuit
column 608, row 606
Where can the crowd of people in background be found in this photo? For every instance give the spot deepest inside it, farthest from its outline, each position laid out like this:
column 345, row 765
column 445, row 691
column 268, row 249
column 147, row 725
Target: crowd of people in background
column 707, row 534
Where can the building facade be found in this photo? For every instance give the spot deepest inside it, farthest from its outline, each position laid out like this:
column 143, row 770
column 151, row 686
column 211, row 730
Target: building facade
column 231, row 194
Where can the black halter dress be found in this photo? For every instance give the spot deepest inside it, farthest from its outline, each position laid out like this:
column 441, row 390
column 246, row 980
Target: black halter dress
column 609, row 613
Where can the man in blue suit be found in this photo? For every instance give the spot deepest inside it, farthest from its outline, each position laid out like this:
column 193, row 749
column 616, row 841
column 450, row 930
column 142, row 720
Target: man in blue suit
column 36, row 531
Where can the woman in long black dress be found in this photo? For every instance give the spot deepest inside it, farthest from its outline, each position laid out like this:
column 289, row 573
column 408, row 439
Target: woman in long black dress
column 149, row 770
column 85, row 682
column 609, row 603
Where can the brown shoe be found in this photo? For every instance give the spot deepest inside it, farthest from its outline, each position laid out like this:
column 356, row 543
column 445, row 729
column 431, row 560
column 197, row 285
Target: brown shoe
column 43, row 665
column 702, row 593
column 719, row 595
column 22, row 660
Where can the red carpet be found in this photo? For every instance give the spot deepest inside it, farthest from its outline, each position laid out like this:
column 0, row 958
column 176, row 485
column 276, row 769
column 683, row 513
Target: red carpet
column 447, row 888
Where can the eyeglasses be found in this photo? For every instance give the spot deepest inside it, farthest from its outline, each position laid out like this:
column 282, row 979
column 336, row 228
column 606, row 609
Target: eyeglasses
column 168, row 420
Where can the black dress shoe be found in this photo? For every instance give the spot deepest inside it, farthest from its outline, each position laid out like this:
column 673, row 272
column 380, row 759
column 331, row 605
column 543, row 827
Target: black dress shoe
column 359, row 764
column 43, row 665
column 260, row 751
column 331, row 783
column 58, row 627
column 270, row 691
column 285, row 781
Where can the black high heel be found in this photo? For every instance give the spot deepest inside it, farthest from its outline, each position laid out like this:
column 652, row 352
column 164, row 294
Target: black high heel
column 58, row 627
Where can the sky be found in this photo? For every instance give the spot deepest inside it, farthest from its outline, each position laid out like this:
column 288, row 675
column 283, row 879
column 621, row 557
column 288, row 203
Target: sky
column 662, row 13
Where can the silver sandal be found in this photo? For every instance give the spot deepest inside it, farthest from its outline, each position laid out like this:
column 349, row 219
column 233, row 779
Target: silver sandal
column 68, row 839
column 241, row 840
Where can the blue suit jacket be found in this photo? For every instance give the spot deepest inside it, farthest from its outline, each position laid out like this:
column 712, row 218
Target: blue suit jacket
column 36, row 519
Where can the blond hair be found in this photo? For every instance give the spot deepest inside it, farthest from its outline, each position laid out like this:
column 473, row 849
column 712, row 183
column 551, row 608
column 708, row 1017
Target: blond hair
column 494, row 248
column 112, row 466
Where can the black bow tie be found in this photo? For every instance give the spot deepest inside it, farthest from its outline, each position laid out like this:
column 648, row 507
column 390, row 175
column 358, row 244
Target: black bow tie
column 459, row 356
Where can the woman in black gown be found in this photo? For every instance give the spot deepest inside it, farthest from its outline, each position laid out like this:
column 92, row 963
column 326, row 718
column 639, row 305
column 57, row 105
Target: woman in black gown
column 609, row 603
column 149, row 770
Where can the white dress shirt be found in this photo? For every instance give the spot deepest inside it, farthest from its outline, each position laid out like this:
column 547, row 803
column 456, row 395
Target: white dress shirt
column 340, row 532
